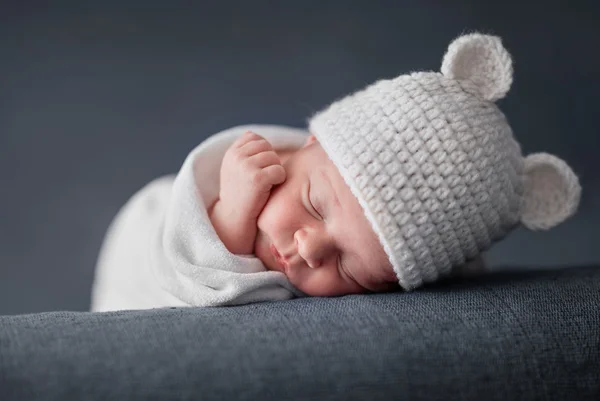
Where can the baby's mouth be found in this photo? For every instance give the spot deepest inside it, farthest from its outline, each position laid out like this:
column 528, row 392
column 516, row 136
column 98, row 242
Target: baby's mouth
column 281, row 262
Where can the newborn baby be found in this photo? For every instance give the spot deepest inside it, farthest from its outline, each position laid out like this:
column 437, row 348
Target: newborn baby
column 294, row 211
column 400, row 184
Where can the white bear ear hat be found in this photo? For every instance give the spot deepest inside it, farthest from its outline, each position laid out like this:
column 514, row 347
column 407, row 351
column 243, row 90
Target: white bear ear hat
column 435, row 166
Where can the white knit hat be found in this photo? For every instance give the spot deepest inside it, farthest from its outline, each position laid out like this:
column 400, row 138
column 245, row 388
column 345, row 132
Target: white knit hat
column 434, row 164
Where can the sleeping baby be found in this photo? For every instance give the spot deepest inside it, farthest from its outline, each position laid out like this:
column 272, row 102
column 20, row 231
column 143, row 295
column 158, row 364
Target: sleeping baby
column 403, row 183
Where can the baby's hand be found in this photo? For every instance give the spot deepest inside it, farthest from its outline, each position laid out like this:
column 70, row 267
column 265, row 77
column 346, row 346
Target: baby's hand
column 250, row 169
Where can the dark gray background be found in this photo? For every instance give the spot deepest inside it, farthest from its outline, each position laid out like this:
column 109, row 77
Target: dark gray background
column 98, row 98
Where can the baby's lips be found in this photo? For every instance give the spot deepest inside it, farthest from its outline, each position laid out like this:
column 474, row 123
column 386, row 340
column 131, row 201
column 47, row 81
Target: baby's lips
column 278, row 258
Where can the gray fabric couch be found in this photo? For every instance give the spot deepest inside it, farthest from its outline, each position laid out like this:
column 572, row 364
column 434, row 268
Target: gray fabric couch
column 506, row 336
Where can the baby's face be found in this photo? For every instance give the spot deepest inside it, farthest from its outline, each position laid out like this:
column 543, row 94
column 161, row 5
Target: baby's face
column 313, row 229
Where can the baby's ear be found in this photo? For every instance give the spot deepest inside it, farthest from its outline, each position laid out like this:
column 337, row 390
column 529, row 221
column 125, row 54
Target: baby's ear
column 483, row 60
column 551, row 192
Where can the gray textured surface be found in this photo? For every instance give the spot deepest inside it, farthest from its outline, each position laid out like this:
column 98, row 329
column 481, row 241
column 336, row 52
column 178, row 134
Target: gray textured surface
column 507, row 337
column 98, row 98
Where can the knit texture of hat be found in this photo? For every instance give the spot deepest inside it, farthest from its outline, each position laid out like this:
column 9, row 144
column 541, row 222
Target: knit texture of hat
column 433, row 162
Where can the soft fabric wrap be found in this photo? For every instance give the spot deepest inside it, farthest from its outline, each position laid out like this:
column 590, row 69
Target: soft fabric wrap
column 162, row 250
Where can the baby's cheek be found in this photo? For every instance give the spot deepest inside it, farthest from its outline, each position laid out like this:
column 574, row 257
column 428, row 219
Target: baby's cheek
column 322, row 282
column 275, row 219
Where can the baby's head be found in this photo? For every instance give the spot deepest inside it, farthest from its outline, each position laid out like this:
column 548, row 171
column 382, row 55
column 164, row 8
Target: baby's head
column 313, row 229
column 410, row 178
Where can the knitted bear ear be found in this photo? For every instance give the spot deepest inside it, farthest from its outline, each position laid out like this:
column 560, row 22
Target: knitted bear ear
column 551, row 192
column 483, row 60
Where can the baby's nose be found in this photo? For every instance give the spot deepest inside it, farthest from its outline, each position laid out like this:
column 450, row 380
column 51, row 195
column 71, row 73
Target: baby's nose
column 313, row 246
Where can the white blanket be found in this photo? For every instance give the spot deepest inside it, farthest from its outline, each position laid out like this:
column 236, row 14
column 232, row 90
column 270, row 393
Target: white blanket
column 161, row 250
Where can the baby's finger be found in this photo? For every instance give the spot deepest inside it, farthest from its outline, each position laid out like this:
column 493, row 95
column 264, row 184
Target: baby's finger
column 246, row 137
column 255, row 146
column 269, row 176
column 264, row 159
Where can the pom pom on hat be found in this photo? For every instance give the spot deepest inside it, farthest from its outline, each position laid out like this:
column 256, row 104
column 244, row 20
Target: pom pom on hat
column 552, row 192
column 483, row 60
